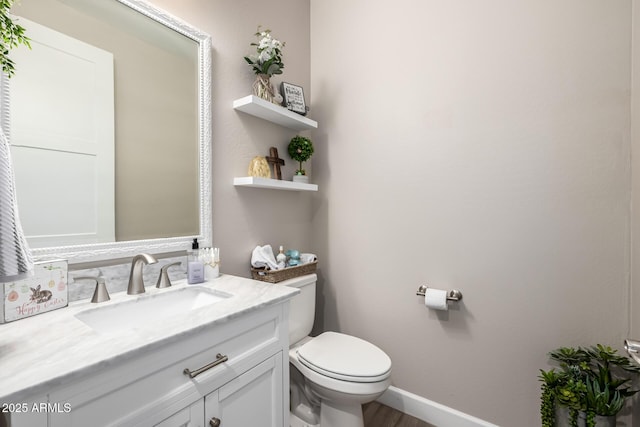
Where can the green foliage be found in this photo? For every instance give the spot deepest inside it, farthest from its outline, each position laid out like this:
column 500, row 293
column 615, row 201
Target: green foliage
column 594, row 380
column 268, row 57
column 11, row 35
column 300, row 149
column 601, row 399
column 572, row 394
column 568, row 356
column 547, row 399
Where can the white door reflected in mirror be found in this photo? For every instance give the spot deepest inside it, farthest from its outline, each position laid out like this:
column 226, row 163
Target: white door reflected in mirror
column 63, row 139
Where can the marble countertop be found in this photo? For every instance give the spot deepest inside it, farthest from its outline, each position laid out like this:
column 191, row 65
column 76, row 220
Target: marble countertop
column 50, row 349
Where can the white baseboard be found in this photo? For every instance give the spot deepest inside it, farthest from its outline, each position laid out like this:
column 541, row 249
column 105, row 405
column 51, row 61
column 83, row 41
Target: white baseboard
column 429, row 411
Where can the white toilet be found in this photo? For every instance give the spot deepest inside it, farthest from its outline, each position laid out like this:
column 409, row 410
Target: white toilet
column 332, row 374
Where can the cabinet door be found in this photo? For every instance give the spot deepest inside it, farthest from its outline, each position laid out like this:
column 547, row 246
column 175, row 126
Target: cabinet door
column 191, row 416
column 252, row 399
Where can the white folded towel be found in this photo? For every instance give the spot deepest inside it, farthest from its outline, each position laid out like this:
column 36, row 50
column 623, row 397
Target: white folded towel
column 307, row 258
column 262, row 256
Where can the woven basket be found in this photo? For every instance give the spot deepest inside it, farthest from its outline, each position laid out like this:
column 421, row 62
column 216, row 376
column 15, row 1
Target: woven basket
column 275, row 276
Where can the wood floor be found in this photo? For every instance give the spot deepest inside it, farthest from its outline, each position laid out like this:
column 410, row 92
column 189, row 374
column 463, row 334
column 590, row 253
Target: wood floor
column 379, row 415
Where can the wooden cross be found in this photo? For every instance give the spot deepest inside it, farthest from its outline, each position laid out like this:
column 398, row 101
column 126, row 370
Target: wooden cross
column 275, row 161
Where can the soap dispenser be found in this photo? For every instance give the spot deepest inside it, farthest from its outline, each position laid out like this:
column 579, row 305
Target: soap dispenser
column 195, row 266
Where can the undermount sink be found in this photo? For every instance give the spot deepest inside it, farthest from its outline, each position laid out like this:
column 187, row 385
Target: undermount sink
column 149, row 311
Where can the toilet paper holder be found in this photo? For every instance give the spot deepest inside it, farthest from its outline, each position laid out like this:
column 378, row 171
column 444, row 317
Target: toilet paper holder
column 452, row 295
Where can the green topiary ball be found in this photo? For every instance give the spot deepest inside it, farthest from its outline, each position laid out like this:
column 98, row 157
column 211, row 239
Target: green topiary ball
column 300, row 149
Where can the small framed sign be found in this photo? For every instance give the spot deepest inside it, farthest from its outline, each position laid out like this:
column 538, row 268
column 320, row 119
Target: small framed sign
column 44, row 291
column 294, row 98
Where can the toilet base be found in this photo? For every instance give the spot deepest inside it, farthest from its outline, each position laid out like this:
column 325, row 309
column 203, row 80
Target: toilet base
column 297, row 422
column 346, row 415
column 332, row 416
column 328, row 413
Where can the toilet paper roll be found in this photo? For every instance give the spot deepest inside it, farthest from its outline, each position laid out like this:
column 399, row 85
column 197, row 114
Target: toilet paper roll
column 436, row 299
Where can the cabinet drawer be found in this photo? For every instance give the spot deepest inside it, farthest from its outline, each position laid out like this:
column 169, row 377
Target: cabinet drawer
column 144, row 391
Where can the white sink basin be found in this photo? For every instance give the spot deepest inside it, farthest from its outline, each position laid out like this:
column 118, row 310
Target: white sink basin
column 149, row 311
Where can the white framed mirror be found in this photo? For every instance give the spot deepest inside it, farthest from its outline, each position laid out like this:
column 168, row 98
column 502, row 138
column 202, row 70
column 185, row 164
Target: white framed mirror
column 158, row 196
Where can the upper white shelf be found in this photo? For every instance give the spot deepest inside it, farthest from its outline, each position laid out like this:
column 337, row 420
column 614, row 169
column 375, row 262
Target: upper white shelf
column 274, row 113
column 274, row 184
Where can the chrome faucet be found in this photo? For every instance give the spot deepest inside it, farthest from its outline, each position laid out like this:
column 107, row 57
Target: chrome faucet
column 136, row 283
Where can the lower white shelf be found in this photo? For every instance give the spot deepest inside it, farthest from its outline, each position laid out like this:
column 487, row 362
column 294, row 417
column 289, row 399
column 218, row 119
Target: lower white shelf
column 274, row 184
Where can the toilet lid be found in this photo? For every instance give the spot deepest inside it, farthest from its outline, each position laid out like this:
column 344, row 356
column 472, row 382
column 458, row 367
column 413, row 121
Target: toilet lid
column 345, row 358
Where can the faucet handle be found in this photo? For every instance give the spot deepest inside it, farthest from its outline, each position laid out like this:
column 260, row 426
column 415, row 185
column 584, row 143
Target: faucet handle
column 100, row 294
column 163, row 278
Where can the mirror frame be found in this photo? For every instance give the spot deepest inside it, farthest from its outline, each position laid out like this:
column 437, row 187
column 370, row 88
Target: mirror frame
column 123, row 249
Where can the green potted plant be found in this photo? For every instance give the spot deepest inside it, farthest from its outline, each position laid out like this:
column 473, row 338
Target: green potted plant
column 11, row 35
column 589, row 389
column 300, row 149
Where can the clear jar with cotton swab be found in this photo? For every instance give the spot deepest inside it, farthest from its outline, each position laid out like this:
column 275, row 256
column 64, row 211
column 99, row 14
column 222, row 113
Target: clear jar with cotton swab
column 211, row 261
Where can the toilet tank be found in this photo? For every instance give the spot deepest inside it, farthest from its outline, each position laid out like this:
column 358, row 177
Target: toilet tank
column 302, row 307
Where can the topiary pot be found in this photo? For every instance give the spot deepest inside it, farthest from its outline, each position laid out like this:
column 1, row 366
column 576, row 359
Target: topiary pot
column 301, row 178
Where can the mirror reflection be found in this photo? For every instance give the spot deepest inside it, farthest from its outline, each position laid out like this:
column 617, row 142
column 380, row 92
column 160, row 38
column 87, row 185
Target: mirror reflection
column 104, row 125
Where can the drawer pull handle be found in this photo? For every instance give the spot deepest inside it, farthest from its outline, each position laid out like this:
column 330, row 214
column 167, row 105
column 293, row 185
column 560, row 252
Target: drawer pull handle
column 219, row 359
column 214, row 422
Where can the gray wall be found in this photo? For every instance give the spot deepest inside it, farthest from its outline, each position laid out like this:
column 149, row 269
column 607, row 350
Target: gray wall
column 635, row 167
column 483, row 146
column 634, row 302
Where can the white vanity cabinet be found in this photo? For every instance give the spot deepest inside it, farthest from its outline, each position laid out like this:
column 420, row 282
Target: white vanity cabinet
column 243, row 381
column 252, row 399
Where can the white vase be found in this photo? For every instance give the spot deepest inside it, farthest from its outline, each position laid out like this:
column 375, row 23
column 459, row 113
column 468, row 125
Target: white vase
column 301, row 178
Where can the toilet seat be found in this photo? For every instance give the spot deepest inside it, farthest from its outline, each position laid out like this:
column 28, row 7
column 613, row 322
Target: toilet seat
column 346, row 358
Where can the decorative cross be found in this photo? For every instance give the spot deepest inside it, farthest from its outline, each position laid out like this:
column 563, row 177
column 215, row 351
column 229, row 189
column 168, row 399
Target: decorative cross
column 275, row 161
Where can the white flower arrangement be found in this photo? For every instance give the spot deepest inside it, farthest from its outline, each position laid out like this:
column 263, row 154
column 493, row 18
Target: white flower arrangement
column 268, row 60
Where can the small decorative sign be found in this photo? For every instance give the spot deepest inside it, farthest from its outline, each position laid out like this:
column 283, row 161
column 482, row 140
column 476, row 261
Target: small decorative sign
column 294, row 98
column 46, row 290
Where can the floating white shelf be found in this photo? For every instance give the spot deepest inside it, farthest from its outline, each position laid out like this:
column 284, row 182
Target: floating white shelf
column 274, row 184
column 266, row 110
